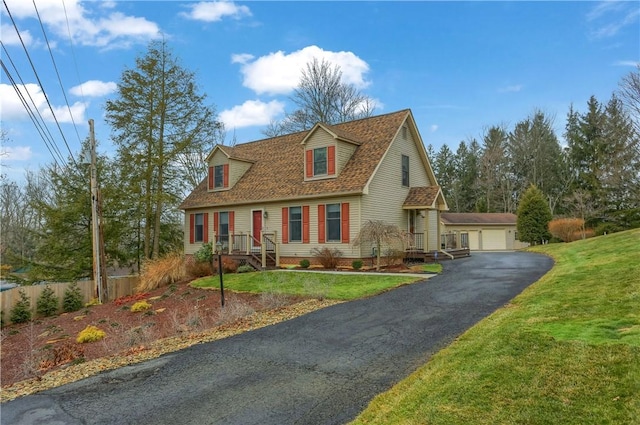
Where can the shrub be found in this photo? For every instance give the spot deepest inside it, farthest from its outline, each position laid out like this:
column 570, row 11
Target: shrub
column 328, row 257
column 304, row 263
column 606, row 228
column 161, row 272
column 93, row 301
column 21, row 311
column 47, row 303
column 229, row 265
column 140, row 306
column 356, row 264
column 204, row 254
column 394, row 256
column 567, row 229
column 72, row 298
column 90, row 334
column 245, row 269
column 195, row 269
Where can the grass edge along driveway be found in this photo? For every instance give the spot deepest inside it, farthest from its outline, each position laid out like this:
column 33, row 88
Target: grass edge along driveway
column 566, row 350
column 348, row 286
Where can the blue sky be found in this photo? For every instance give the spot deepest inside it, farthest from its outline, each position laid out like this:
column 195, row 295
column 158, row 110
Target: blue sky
column 459, row 66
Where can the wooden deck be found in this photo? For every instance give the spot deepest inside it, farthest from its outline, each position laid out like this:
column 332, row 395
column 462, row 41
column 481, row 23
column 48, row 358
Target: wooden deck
column 433, row 256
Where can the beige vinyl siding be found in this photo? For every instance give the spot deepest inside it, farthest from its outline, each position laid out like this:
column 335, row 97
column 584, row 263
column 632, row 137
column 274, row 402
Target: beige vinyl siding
column 190, row 248
column 432, row 240
column 237, row 170
column 343, row 155
column 218, row 158
column 385, row 191
column 273, row 222
column 319, row 139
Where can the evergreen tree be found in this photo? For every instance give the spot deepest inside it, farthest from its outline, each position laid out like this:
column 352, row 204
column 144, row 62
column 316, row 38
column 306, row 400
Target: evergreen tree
column 444, row 168
column 533, row 217
column 158, row 119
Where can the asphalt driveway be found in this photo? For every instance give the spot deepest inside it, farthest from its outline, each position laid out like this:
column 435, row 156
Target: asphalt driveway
column 322, row 368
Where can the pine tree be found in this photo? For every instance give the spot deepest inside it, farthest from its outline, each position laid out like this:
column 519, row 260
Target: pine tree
column 158, row 119
column 534, row 216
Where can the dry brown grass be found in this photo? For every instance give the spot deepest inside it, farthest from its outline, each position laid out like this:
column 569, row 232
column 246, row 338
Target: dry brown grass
column 162, row 272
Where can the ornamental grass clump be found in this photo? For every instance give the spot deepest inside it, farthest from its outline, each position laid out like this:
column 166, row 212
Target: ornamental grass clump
column 140, row 306
column 162, row 272
column 90, row 334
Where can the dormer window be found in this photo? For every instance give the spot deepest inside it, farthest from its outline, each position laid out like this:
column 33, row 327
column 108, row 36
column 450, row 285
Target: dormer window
column 218, row 176
column 321, row 162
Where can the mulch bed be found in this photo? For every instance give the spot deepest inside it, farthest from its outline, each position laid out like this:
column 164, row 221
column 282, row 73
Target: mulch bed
column 44, row 353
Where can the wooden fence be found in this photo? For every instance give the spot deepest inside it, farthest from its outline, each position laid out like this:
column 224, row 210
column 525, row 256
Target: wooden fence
column 117, row 286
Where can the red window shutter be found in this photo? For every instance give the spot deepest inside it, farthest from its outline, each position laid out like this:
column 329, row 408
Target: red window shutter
column 321, row 224
column 215, row 226
column 192, row 225
column 285, row 225
column 345, row 222
column 305, row 224
column 210, row 178
column 225, row 175
column 331, row 160
column 309, row 166
column 232, row 217
column 205, row 227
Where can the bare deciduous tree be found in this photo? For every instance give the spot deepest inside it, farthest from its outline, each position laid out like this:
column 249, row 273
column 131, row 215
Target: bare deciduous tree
column 322, row 96
column 630, row 96
column 377, row 233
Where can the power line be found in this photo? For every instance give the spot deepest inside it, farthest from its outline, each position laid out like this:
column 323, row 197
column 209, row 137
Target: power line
column 60, row 82
column 38, row 79
column 32, row 115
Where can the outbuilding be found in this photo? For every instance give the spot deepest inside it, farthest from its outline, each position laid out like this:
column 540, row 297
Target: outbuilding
column 480, row 231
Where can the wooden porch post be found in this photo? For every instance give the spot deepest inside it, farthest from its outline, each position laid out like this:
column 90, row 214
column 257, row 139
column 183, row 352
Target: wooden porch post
column 263, row 251
column 249, row 242
column 275, row 241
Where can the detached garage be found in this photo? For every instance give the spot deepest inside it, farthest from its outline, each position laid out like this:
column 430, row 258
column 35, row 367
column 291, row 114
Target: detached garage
column 480, row 231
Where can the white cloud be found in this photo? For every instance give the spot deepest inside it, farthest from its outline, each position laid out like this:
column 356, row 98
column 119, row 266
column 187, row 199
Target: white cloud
column 10, row 37
column 608, row 18
column 241, row 58
column 511, row 89
column 279, row 73
column 17, row 153
column 64, row 114
column 626, row 63
column 12, row 108
column 10, row 105
column 433, row 128
column 94, row 88
column 110, row 29
column 214, row 11
column 251, row 113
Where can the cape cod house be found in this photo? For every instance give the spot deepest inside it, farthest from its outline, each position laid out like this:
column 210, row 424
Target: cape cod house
column 270, row 202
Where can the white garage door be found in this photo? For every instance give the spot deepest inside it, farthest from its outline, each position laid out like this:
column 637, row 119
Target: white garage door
column 493, row 239
column 474, row 242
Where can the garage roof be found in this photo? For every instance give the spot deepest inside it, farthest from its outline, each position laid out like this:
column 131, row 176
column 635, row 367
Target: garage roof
column 479, row 218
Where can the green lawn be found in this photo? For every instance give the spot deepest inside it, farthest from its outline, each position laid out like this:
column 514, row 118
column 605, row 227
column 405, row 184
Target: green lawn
column 325, row 285
column 566, row 351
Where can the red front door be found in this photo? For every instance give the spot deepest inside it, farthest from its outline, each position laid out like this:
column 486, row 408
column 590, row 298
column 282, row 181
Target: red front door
column 256, row 227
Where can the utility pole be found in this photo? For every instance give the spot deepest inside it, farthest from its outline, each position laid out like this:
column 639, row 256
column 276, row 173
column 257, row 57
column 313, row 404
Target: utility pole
column 99, row 275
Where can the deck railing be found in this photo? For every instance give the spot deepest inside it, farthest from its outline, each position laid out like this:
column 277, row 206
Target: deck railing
column 415, row 242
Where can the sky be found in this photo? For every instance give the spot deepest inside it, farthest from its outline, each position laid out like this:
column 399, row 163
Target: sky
column 461, row 67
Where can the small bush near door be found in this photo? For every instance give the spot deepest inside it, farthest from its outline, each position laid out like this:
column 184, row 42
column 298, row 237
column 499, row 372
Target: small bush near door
column 328, row 257
column 304, row 263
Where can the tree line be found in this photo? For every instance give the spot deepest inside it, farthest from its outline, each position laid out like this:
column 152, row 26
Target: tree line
column 594, row 175
column 162, row 127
